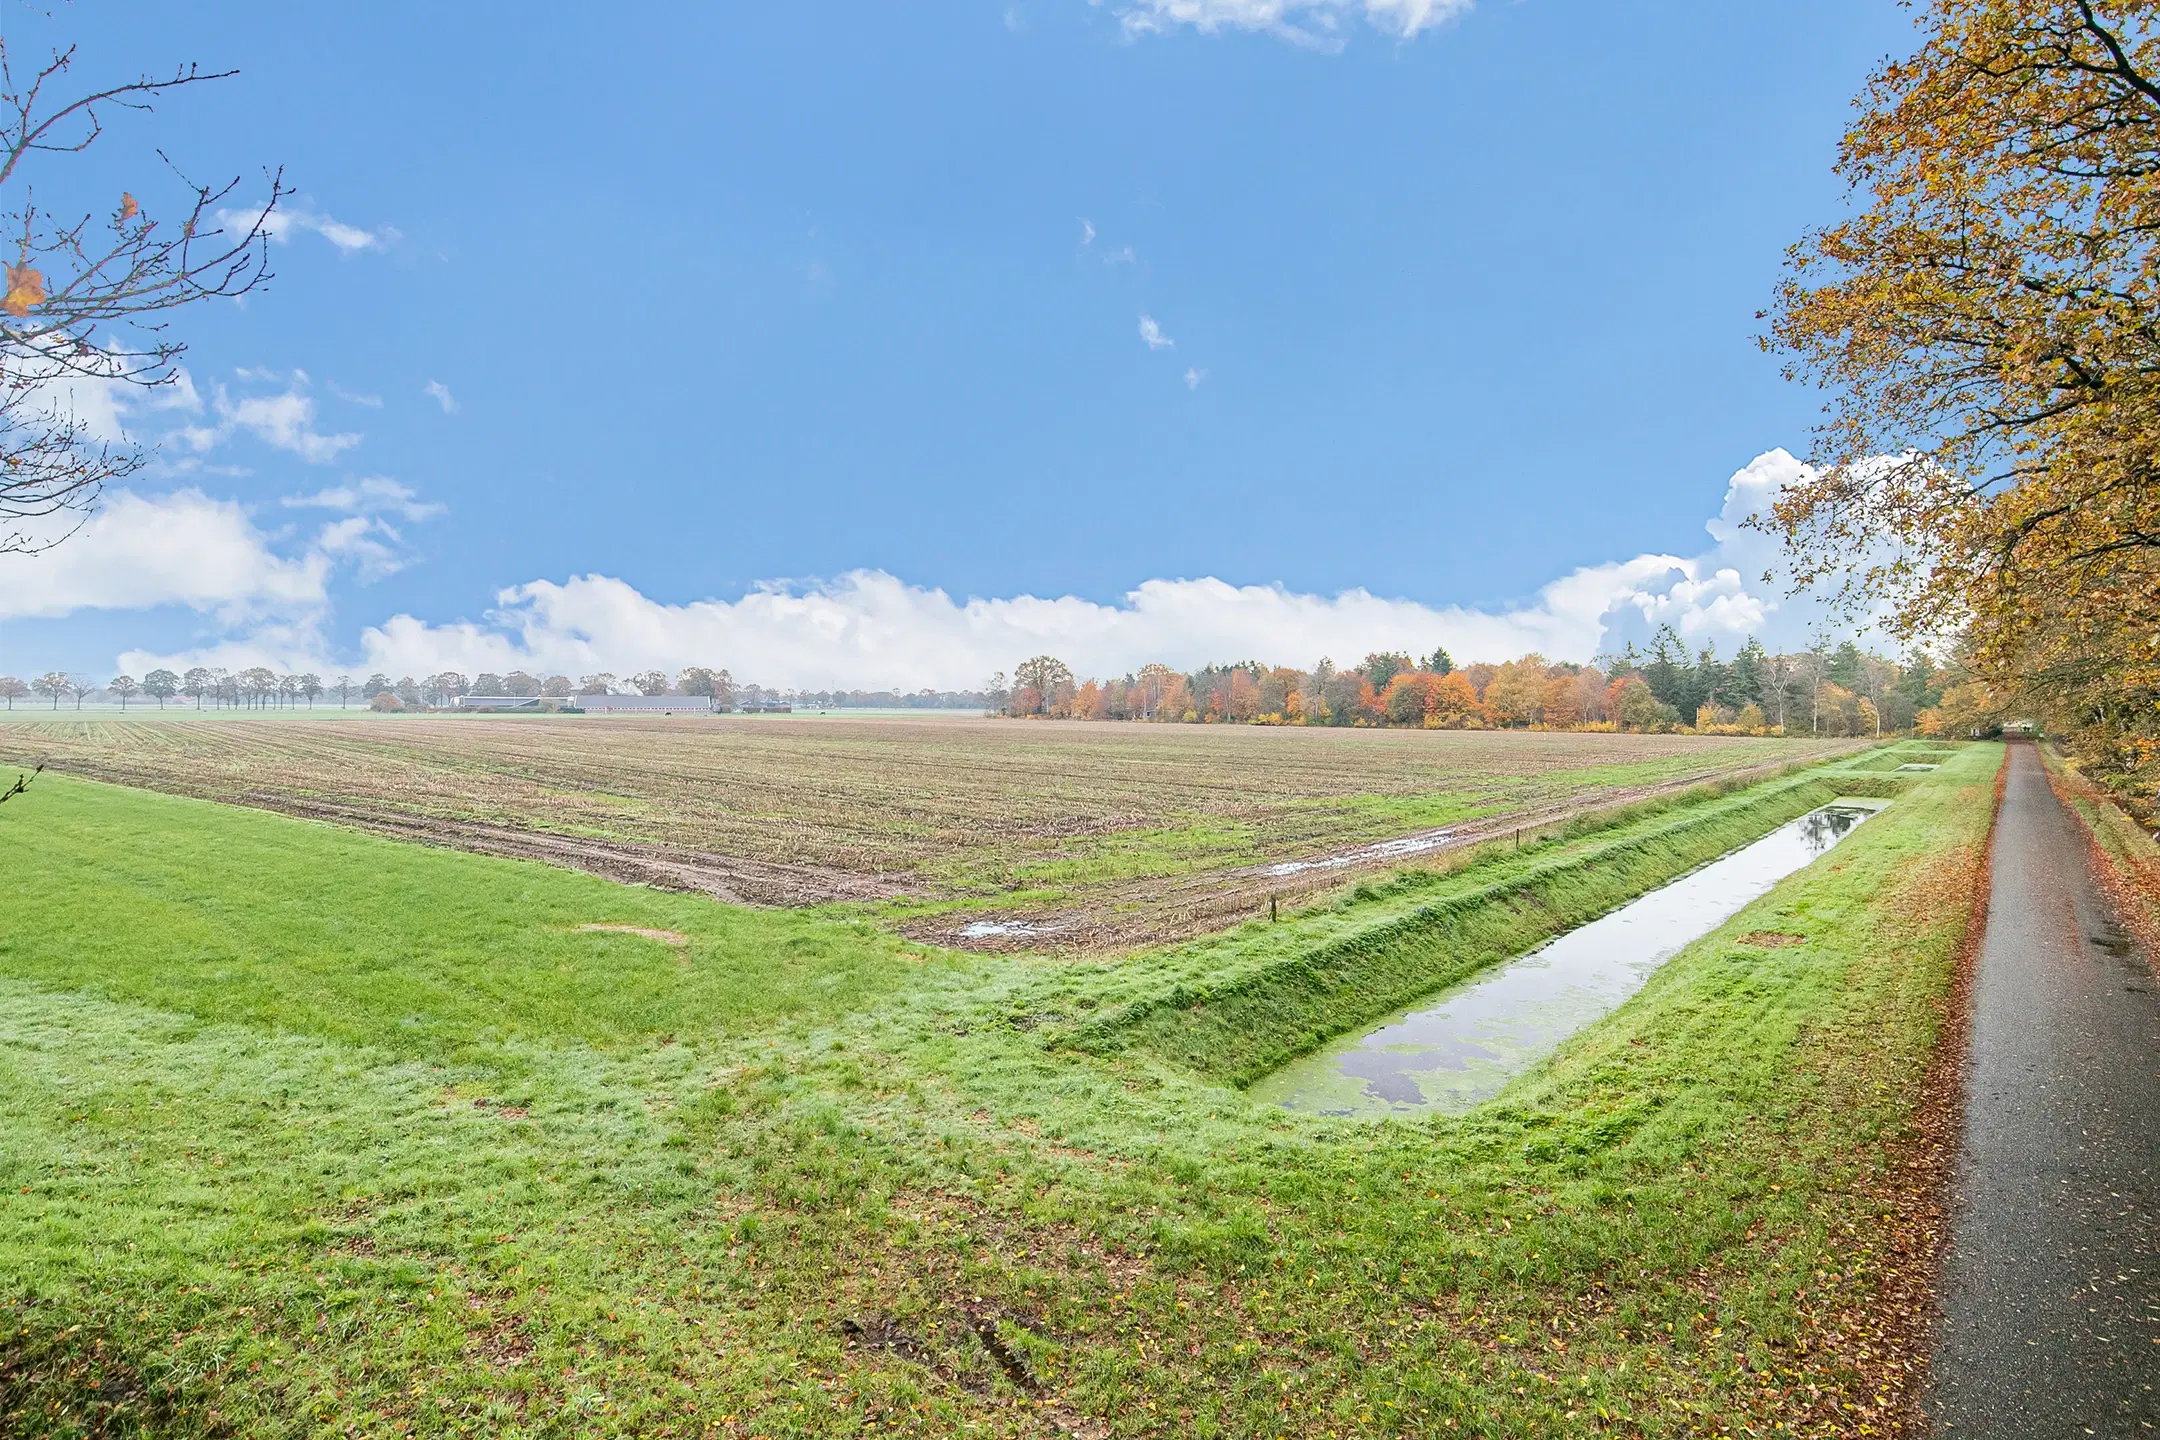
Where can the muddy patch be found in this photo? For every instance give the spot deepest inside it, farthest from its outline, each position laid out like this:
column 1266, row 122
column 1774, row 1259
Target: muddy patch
column 1364, row 855
column 1772, row 939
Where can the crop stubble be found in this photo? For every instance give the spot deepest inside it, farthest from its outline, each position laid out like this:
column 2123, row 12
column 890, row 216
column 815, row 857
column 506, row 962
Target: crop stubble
column 1117, row 834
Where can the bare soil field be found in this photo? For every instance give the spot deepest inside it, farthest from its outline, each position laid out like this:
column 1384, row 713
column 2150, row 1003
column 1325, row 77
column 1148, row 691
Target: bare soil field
column 987, row 832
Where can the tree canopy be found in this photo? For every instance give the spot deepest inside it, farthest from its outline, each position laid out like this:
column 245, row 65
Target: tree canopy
column 1986, row 320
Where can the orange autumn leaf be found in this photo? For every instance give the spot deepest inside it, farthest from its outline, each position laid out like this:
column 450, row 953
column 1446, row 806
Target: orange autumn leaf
column 25, row 288
column 128, row 207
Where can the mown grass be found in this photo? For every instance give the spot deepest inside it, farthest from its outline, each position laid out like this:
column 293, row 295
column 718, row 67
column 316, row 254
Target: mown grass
column 1237, row 1010
column 303, row 1132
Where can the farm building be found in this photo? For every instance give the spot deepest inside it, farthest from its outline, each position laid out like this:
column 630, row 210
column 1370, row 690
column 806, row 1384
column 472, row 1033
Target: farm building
column 499, row 703
column 645, row 704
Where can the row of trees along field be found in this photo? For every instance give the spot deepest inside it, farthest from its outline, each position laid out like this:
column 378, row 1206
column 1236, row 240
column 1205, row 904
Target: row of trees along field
column 260, row 688
column 1822, row 691
column 1983, row 322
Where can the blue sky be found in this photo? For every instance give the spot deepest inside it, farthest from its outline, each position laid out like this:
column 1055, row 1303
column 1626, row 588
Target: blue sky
column 646, row 309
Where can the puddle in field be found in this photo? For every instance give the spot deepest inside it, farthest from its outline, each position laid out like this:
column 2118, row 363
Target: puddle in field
column 995, row 929
column 1463, row 1045
column 1385, row 850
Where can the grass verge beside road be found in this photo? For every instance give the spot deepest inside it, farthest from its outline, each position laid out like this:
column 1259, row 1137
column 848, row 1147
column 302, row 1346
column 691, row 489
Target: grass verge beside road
column 307, row 1132
column 2127, row 858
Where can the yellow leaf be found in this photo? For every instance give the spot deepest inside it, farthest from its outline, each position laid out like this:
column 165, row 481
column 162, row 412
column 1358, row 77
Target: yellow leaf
column 25, row 288
column 128, row 207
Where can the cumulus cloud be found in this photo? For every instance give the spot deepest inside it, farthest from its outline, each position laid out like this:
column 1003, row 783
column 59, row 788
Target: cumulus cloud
column 872, row 629
column 282, row 224
column 284, row 422
column 368, row 543
column 184, row 548
column 440, row 394
column 1313, row 23
column 1152, row 333
column 1193, row 377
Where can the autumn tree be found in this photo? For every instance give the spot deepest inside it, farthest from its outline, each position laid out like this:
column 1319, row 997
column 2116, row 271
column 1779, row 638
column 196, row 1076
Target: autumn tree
column 1406, row 698
column 127, row 687
column 1453, row 700
column 1516, row 693
column 1045, row 676
column 650, row 682
column 12, row 689
column 53, row 684
column 1984, row 319
column 1382, row 666
column 89, row 298
column 1560, row 703
column 1349, row 698
column 161, row 685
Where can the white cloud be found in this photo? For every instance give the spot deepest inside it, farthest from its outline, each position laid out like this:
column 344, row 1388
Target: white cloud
column 1312, row 23
column 440, row 394
column 285, row 422
column 283, row 223
column 1152, row 333
column 367, row 543
column 1087, row 232
column 872, row 629
column 184, row 548
column 373, row 402
column 1123, row 255
column 369, row 495
column 1193, row 377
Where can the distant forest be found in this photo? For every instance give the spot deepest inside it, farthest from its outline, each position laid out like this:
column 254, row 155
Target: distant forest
column 1827, row 691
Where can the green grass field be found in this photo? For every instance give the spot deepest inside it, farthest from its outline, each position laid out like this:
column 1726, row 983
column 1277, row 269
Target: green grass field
column 306, row 1132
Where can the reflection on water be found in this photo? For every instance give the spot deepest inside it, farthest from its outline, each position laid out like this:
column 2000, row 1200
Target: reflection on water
column 1463, row 1045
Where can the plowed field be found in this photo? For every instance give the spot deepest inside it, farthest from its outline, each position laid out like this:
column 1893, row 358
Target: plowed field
column 1093, row 835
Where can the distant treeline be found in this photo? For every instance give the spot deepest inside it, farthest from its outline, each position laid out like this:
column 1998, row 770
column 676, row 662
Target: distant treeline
column 1821, row 691
column 262, row 688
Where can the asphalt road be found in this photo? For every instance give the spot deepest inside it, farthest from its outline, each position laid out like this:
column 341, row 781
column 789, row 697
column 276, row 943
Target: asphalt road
column 2051, row 1288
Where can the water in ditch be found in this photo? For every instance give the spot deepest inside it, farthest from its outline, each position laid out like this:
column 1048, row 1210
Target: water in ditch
column 1463, row 1045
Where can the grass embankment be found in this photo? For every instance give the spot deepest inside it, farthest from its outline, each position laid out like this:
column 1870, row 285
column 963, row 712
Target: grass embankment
column 2126, row 857
column 303, row 1131
column 1237, row 1010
